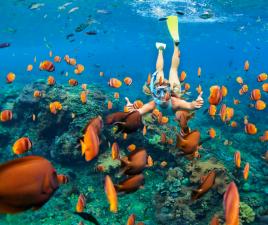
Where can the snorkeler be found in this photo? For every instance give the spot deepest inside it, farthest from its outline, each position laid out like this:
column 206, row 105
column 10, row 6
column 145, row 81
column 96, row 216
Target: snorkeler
column 165, row 93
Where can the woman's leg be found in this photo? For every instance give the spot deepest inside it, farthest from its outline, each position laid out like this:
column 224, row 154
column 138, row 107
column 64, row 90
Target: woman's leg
column 173, row 73
column 160, row 61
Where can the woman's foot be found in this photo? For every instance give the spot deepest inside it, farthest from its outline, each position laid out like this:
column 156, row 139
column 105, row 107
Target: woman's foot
column 160, row 46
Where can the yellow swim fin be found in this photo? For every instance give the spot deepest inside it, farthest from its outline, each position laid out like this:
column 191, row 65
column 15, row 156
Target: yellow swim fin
column 173, row 28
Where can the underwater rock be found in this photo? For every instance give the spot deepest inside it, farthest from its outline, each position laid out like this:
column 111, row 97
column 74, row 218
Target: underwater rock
column 57, row 135
column 201, row 168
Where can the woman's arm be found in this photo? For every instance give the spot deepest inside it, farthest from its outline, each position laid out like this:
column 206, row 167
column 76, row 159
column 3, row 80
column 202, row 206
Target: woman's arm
column 181, row 104
column 148, row 107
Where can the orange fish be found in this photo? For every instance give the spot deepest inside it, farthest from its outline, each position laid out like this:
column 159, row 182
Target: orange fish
column 101, row 74
column 128, row 81
column 199, row 71
column 130, row 184
column 224, row 91
column 199, row 89
column 115, row 151
column 246, row 65
column 237, row 159
column 6, row 115
column 62, row 179
column 164, row 120
column 223, row 112
column 260, row 105
column 22, row 145
column 37, row 94
column 265, row 136
column 155, row 113
column 236, row 102
column 34, row 181
column 81, row 203
column 148, row 79
column 100, row 168
column 73, row 82
column 189, row 143
column 79, row 68
column 29, row 68
column 170, row 141
column 131, row 147
column 131, row 219
column 239, row 80
column 255, row 94
column 55, row 106
column 111, row 194
column 116, row 95
column 51, row 81
column 262, row 77
column 212, row 110
column 229, row 113
column 124, row 136
column 72, row 61
column 231, row 203
column 207, row 183
column 187, row 86
column 144, row 130
column 83, row 97
column 115, row 83
column 233, row 124
column 215, row 221
column 135, row 162
column 265, row 87
column 90, row 142
column 10, row 77
column 109, row 105
column 246, row 171
column 150, row 161
column 244, row 88
column 182, row 76
column 137, row 104
column 66, row 58
column 215, row 96
column 250, row 128
column 47, row 66
column 212, row 133
column 57, row 59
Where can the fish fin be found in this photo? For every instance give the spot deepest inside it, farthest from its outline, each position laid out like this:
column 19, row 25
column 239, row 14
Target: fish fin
column 195, row 194
column 180, row 141
column 83, row 147
column 173, row 28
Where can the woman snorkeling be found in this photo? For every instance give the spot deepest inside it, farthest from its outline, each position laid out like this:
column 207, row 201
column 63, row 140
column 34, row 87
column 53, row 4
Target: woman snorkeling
column 165, row 93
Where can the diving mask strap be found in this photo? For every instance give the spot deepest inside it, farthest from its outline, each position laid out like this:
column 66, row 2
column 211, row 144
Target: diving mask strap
column 152, row 81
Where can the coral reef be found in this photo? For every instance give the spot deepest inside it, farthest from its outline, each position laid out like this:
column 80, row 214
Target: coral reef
column 246, row 213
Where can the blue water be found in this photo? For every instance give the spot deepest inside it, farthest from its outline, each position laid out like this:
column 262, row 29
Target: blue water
column 125, row 46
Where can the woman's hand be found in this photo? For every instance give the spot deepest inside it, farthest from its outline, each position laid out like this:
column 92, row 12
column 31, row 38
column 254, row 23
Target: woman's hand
column 198, row 103
column 129, row 105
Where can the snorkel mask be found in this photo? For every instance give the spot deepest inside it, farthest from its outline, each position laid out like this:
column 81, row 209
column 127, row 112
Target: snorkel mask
column 160, row 91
